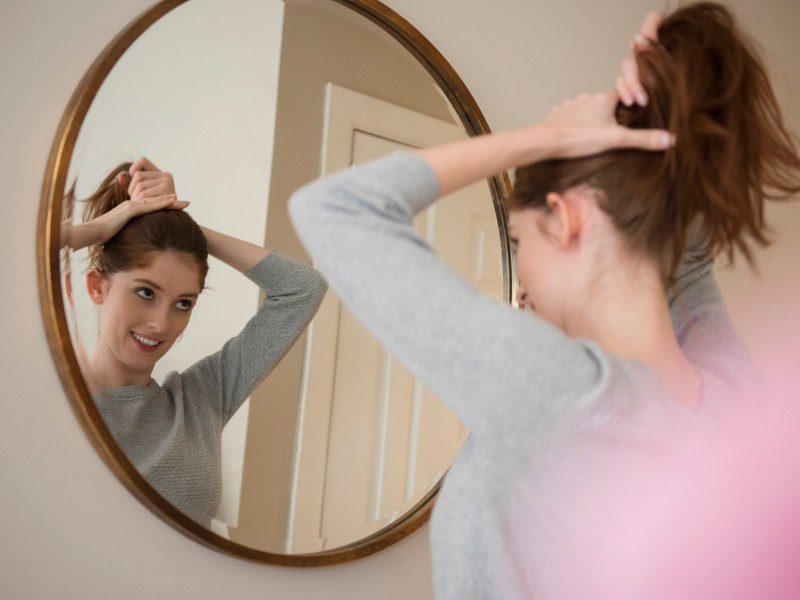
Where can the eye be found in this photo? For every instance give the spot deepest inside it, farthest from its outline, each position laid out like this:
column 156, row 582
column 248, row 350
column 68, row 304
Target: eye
column 184, row 305
column 145, row 293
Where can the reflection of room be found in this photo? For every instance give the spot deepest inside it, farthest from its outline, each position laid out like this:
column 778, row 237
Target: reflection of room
column 321, row 43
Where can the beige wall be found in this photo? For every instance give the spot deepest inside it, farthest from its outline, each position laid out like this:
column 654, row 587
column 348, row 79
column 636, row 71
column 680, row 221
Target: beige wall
column 70, row 530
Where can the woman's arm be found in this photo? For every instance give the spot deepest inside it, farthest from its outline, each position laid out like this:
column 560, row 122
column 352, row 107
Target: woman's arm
column 293, row 291
column 149, row 189
column 580, row 127
column 479, row 356
column 234, row 252
column 103, row 228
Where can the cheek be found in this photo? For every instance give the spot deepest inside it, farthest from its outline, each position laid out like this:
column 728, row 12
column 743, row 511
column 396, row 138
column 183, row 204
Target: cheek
column 179, row 322
column 527, row 271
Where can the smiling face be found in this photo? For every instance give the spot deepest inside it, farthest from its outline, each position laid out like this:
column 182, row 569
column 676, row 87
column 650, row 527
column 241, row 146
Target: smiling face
column 143, row 311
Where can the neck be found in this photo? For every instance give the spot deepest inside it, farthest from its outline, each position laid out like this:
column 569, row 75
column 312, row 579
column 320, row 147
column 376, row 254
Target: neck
column 629, row 317
column 105, row 372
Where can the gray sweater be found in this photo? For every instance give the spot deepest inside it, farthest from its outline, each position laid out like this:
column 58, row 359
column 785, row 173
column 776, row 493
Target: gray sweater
column 172, row 432
column 558, row 426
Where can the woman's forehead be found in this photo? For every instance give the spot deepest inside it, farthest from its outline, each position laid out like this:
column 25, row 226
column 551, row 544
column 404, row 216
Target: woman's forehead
column 169, row 270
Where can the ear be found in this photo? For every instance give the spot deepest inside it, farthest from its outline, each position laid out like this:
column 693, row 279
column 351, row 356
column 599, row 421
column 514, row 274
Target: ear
column 565, row 219
column 96, row 286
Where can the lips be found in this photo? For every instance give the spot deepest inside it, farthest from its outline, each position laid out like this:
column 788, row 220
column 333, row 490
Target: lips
column 144, row 343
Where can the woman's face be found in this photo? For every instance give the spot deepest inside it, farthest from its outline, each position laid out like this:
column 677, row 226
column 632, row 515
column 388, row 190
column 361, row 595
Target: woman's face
column 143, row 312
column 536, row 263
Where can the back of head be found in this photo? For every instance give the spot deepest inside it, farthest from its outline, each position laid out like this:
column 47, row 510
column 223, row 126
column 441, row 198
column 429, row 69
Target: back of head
column 133, row 245
column 707, row 85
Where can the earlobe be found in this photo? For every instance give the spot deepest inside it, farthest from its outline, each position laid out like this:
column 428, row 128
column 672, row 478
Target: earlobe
column 96, row 286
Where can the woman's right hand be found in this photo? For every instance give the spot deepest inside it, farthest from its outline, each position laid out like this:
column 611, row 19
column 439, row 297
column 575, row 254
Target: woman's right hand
column 150, row 190
column 109, row 224
column 587, row 125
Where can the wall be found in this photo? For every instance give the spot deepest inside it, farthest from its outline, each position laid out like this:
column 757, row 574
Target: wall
column 70, row 530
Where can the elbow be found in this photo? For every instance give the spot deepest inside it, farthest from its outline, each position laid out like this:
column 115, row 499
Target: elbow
column 301, row 210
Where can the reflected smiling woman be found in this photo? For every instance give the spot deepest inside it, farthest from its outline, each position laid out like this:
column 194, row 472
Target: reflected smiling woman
column 149, row 261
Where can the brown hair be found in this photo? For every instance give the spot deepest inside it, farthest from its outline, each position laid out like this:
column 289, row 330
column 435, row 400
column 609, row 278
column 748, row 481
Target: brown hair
column 157, row 231
column 706, row 85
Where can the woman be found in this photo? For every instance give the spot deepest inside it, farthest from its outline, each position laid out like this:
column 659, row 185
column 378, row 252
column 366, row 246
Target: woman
column 148, row 267
column 574, row 405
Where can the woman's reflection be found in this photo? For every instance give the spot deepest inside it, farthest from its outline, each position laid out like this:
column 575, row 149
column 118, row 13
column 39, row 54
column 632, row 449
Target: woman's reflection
column 148, row 265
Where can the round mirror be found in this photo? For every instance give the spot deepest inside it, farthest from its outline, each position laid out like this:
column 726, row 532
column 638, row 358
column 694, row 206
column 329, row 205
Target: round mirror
column 340, row 451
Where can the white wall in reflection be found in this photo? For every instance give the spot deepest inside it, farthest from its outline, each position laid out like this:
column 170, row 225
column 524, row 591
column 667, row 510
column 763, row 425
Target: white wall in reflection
column 176, row 97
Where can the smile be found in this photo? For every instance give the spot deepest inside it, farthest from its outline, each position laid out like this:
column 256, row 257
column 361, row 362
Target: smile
column 147, row 342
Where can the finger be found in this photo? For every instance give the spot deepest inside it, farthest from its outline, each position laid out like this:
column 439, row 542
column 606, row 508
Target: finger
column 124, row 180
column 150, row 189
column 630, row 73
column 150, row 176
column 646, row 139
column 179, row 204
column 623, row 91
column 649, row 28
column 143, row 180
column 142, row 164
column 152, row 204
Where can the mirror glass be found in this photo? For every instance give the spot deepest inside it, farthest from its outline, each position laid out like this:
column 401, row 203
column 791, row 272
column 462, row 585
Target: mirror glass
column 243, row 102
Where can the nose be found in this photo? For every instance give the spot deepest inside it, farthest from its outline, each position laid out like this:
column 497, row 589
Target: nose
column 522, row 297
column 159, row 319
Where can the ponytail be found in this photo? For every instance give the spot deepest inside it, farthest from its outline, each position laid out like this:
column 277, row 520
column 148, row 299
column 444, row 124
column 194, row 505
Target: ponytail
column 707, row 86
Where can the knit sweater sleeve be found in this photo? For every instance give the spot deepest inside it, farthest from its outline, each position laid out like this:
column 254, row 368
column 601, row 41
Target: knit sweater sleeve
column 293, row 292
column 479, row 356
column 704, row 327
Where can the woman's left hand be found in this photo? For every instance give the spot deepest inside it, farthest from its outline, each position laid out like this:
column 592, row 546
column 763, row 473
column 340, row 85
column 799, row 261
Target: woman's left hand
column 587, row 125
column 148, row 181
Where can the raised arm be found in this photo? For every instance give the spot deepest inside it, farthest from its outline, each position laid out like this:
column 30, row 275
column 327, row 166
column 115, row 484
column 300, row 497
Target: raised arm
column 579, row 127
column 477, row 355
column 234, row 252
column 103, row 228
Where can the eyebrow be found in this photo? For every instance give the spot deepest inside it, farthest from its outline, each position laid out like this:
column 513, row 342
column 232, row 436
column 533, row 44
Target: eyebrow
column 158, row 288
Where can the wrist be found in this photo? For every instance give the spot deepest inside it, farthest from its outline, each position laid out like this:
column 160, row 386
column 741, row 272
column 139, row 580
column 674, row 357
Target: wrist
column 533, row 144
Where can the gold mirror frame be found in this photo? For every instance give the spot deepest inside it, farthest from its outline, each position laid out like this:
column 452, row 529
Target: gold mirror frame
column 53, row 310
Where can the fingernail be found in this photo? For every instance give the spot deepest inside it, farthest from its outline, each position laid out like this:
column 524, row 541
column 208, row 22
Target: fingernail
column 640, row 40
column 626, row 99
column 641, row 99
column 667, row 140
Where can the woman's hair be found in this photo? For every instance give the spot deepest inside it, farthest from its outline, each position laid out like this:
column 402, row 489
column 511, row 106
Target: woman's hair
column 157, row 231
column 707, row 86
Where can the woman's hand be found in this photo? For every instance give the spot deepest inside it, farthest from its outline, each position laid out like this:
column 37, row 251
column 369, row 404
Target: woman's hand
column 629, row 87
column 587, row 125
column 150, row 190
column 148, row 181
